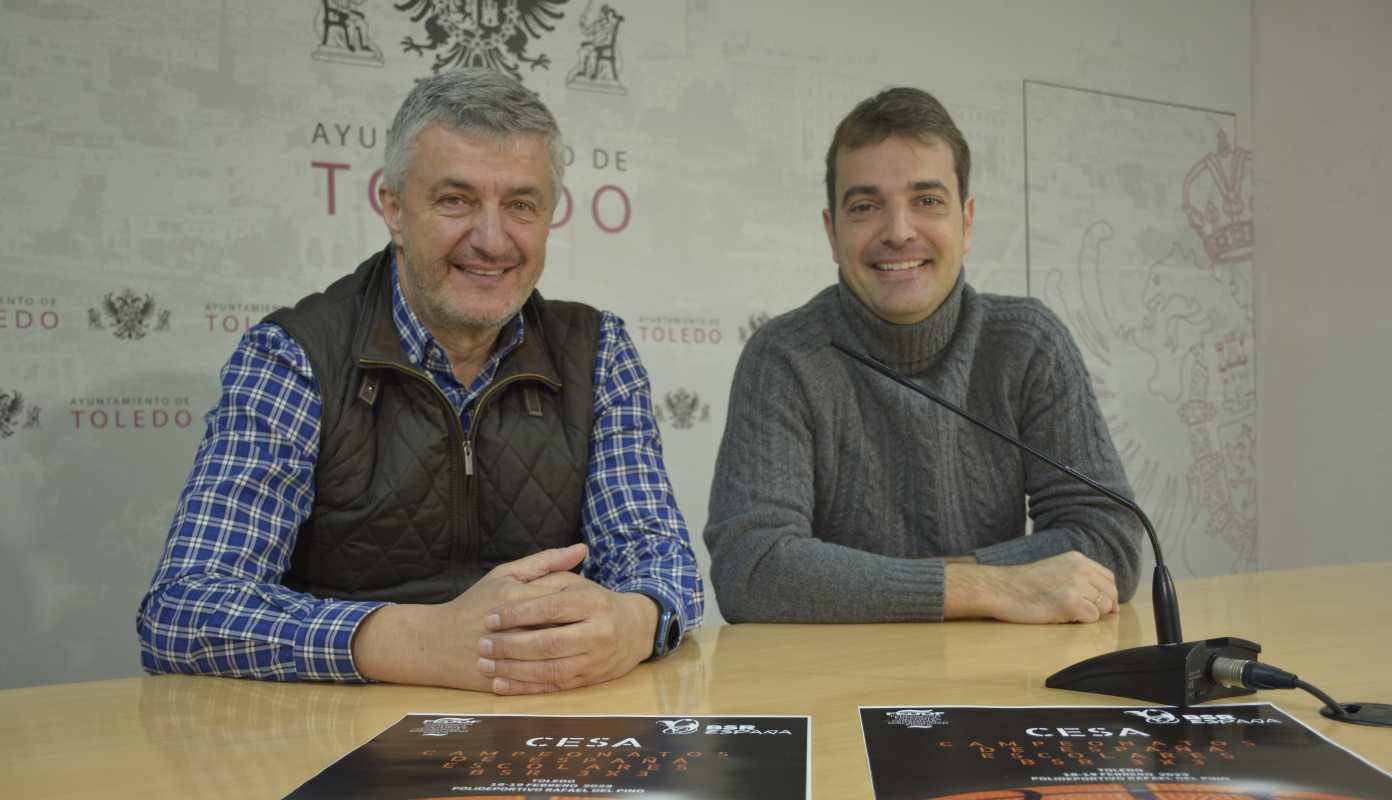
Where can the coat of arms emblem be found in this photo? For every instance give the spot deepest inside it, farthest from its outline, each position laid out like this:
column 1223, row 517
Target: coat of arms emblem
column 482, row 33
column 11, row 410
column 684, row 408
column 129, row 314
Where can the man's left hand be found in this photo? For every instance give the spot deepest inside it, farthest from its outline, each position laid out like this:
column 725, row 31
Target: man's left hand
column 579, row 635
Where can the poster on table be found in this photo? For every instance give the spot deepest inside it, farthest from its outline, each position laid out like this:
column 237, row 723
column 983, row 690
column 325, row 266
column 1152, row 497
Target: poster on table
column 1254, row 751
column 523, row 757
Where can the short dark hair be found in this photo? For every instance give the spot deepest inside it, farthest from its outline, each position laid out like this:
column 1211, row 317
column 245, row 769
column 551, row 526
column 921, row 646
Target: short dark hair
column 901, row 111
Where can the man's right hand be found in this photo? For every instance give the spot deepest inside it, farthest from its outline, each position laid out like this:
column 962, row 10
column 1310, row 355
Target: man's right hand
column 437, row 645
column 1069, row 587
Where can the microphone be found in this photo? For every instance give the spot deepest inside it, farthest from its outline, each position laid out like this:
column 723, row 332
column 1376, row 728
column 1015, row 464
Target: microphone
column 1173, row 672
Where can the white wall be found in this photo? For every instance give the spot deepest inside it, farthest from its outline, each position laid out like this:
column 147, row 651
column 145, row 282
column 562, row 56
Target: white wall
column 1322, row 99
column 167, row 147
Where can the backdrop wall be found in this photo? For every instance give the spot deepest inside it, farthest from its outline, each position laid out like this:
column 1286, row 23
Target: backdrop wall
column 1323, row 120
column 177, row 169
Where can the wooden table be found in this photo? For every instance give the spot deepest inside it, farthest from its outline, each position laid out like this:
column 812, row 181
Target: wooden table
column 176, row 736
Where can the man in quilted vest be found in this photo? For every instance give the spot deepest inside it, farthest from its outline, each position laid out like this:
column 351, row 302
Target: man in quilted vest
column 427, row 473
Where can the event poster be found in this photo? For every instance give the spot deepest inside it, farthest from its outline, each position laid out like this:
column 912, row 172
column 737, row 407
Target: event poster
column 545, row 758
column 1221, row 752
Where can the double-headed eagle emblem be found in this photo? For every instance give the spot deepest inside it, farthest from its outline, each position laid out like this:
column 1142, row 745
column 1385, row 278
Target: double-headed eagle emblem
column 684, row 408
column 482, row 33
column 130, row 315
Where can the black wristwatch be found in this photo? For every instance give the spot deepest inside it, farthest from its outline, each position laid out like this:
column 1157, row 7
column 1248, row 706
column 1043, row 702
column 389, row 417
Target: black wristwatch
column 668, row 633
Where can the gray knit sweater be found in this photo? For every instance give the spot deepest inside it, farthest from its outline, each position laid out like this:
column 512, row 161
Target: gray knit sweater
column 837, row 492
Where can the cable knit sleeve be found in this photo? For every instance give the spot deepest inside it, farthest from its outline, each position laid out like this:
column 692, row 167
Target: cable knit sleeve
column 1059, row 415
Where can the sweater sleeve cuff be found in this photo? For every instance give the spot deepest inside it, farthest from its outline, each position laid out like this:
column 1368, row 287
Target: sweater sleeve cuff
column 913, row 590
column 324, row 642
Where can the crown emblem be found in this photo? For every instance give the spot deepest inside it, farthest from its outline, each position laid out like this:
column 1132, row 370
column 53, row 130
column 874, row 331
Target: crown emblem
column 1218, row 202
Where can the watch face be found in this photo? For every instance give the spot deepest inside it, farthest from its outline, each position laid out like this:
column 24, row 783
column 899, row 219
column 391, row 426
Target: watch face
column 669, row 621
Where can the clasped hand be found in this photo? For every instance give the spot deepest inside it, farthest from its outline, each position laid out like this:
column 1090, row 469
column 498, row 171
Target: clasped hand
column 528, row 626
column 576, row 634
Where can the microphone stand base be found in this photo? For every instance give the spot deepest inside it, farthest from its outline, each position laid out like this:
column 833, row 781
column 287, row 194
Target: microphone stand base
column 1170, row 674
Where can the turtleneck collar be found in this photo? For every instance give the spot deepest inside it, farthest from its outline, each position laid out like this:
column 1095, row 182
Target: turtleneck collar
column 905, row 345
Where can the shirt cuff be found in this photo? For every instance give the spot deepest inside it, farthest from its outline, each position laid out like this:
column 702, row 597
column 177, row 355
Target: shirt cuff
column 324, row 642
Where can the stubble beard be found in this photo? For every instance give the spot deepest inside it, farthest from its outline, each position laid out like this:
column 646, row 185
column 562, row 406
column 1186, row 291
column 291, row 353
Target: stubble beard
column 432, row 306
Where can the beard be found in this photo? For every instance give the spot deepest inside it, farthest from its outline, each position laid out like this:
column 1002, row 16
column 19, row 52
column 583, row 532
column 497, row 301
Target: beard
column 439, row 309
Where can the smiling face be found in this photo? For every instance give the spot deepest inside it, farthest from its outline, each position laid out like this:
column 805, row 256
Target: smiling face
column 900, row 228
column 470, row 227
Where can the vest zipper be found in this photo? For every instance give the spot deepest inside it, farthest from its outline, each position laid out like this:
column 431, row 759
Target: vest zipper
column 472, row 535
column 458, row 431
column 475, row 536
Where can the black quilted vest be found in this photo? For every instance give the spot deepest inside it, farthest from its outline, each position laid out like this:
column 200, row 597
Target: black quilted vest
column 408, row 506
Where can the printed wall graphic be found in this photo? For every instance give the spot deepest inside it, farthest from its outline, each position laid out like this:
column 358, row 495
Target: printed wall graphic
column 599, row 62
column 1222, row 182
column 132, row 414
column 343, row 34
column 1140, row 238
column 482, row 33
column 129, row 314
column 15, row 414
column 683, row 408
column 26, row 314
column 756, row 321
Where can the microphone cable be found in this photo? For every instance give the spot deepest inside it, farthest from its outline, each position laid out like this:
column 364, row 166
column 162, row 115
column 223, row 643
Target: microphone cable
column 1248, row 674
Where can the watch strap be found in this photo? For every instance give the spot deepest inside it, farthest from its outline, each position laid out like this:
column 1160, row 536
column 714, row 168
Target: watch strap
column 667, row 634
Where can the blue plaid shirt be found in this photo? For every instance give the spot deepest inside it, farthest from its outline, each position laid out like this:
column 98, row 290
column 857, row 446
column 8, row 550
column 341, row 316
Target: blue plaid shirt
column 216, row 604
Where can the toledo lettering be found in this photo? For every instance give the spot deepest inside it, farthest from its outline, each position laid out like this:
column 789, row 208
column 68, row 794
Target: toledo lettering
column 29, row 314
column 235, row 318
column 608, row 207
column 680, row 330
column 126, row 414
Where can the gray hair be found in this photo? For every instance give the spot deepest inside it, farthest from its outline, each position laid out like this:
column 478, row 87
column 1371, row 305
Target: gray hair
column 471, row 101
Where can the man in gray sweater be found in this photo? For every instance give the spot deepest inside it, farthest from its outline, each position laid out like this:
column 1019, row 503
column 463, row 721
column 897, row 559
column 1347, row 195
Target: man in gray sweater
column 840, row 496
